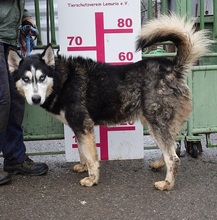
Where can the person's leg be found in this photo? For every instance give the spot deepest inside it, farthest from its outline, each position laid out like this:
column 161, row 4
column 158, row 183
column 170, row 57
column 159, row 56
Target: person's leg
column 4, row 95
column 13, row 148
column 4, row 106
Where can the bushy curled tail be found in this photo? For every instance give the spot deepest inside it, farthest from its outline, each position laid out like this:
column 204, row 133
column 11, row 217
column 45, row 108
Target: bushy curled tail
column 191, row 44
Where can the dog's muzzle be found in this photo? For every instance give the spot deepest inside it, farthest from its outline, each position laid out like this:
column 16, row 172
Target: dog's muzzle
column 36, row 99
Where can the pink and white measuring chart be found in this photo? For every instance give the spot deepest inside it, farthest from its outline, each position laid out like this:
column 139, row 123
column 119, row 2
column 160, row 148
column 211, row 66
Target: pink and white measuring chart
column 105, row 31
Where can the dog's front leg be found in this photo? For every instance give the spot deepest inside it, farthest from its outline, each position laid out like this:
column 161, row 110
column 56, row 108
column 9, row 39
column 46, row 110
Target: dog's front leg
column 81, row 167
column 89, row 159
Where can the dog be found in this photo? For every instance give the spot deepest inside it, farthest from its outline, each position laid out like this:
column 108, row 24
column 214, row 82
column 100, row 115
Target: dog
column 81, row 92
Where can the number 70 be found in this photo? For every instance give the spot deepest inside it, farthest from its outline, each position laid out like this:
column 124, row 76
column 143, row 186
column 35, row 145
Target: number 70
column 75, row 40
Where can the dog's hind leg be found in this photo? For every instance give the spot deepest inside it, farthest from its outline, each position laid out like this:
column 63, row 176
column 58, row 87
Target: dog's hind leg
column 167, row 145
column 157, row 164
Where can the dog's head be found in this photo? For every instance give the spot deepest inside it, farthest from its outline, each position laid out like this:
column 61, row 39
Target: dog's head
column 33, row 75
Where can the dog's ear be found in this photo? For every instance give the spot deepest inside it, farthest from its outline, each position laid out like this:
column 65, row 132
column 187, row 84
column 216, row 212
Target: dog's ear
column 13, row 59
column 48, row 55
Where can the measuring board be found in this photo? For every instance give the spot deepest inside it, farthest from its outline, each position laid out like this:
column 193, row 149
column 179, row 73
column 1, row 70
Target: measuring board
column 105, row 31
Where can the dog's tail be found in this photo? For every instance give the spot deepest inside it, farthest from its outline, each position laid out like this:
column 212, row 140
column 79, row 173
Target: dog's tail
column 191, row 44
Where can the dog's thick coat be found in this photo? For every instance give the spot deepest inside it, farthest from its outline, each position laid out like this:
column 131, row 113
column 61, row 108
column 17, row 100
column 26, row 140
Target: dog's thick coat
column 83, row 93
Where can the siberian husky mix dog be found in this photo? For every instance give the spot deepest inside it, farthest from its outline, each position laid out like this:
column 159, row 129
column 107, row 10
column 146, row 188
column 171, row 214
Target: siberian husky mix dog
column 82, row 93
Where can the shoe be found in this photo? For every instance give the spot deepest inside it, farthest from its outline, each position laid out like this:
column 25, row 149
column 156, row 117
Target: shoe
column 4, row 177
column 27, row 167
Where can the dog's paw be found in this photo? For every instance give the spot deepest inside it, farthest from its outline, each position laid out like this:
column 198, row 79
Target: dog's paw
column 88, row 181
column 80, row 168
column 157, row 164
column 163, row 185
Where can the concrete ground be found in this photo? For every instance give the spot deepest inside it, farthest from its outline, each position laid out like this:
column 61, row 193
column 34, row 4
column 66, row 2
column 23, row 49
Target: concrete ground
column 125, row 190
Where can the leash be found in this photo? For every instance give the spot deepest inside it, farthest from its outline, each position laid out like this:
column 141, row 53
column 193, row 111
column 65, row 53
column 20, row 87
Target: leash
column 27, row 37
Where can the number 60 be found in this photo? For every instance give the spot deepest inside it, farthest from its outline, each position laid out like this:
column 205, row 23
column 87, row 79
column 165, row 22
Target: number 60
column 125, row 56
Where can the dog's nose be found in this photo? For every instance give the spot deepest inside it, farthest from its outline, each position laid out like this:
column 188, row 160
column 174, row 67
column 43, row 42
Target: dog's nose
column 36, row 99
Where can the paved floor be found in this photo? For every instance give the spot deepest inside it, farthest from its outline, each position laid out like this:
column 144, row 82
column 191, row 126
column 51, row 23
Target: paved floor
column 125, row 190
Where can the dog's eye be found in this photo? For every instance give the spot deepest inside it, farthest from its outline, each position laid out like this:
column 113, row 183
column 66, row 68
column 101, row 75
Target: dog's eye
column 26, row 79
column 42, row 78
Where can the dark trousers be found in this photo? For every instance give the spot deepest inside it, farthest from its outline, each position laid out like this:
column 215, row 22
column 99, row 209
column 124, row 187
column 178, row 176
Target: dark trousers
column 12, row 107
